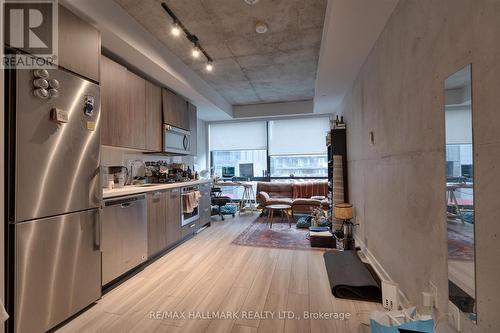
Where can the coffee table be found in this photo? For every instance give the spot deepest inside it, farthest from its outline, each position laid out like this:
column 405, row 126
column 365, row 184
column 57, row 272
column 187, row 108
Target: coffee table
column 284, row 209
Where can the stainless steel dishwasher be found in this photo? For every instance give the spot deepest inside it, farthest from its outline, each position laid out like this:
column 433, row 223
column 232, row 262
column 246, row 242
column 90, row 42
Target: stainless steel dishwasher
column 124, row 235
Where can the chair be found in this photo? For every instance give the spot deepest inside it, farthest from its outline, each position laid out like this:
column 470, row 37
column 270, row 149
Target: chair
column 217, row 199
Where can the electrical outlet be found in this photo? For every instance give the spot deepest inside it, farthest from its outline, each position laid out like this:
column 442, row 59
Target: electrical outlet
column 434, row 290
column 454, row 316
column 390, row 295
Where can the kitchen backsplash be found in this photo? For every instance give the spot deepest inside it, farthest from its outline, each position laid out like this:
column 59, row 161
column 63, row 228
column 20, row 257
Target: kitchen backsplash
column 116, row 156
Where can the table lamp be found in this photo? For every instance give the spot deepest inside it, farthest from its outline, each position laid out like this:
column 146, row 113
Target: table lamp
column 343, row 211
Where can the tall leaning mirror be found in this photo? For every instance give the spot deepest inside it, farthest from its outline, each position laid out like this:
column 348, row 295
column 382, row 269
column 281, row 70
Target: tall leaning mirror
column 460, row 191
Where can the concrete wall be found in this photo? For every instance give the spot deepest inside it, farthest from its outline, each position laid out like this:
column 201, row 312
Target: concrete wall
column 397, row 183
column 273, row 109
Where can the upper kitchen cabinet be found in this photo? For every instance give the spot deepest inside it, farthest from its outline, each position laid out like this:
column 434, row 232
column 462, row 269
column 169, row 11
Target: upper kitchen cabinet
column 123, row 104
column 193, row 128
column 175, row 110
column 79, row 45
column 154, row 123
column 137, row 103
column 115, row 124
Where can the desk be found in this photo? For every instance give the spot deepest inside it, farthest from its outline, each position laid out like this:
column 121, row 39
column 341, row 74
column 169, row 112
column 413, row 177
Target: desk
column 247, row 201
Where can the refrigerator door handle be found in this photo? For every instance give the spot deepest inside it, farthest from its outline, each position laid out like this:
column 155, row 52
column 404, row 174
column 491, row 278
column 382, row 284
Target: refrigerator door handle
column 98, row 229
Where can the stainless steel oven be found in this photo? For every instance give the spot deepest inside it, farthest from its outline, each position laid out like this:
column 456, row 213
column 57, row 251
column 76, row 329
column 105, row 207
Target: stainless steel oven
column 190, row 213
column 176, row 140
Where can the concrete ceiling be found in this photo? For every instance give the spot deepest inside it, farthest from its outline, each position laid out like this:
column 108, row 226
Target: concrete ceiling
column 249, row 68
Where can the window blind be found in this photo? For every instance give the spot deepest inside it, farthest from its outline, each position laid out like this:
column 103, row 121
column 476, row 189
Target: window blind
column 304, row 136
column 238, row 135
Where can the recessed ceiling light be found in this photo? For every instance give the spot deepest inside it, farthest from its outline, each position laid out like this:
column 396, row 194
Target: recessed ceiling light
column 251, row 2
column 261, row 27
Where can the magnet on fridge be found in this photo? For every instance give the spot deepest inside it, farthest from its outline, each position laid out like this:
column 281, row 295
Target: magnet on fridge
column 59, row 116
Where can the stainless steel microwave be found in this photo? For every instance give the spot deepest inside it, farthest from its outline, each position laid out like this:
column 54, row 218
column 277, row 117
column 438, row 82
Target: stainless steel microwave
column 176, row 140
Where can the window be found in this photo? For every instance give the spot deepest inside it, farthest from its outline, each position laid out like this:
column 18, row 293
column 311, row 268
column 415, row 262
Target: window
column 240, row 160
column 238, row 149
column 459, row 162
column 297, row 147
column 290, row 148
column 299, row 166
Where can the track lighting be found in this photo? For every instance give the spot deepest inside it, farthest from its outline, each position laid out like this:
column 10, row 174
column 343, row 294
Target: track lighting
column 196, row 52
column 176, row 31
column 178, row 27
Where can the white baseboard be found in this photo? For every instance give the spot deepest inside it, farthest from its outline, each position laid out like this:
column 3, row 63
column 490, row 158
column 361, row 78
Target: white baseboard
column 381, row 272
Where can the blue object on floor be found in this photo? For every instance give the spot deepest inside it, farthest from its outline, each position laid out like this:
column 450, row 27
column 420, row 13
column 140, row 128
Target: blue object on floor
column 229, row 209
column 418, row 326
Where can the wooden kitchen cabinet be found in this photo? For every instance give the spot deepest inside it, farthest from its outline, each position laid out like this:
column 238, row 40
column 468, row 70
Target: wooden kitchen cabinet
column 205, row 204
column 154, row 124
column 157, row 222
column 137, row 114
column 123, row 106
column 193, row 128
column 175, row 110
column 115, row 122
column 173, row 224
column 79, row 45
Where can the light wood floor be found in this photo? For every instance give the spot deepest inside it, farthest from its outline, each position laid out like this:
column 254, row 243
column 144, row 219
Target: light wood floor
column 462, row 272
column 208, row 274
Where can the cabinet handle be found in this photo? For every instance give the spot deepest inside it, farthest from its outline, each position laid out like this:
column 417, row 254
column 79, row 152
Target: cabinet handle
column 156, row 194
column 192, row 225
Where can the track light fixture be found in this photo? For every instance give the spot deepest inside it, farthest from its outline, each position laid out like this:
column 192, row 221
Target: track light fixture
column 176, row 31
column 197, row 48
column 195, row 52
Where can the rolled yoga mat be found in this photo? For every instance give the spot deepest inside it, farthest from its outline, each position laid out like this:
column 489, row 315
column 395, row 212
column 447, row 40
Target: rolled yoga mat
column 350, row 278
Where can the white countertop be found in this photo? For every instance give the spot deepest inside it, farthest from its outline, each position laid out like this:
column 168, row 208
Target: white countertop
column 132, row 189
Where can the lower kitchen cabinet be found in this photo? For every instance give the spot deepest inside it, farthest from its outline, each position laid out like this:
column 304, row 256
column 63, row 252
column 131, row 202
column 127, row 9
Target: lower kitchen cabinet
column 205, row 204
column 164, row 220
column 173, row 222
column 157, row 222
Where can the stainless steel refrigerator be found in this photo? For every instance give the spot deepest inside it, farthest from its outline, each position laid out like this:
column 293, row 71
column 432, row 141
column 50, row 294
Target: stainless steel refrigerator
column 53, row 197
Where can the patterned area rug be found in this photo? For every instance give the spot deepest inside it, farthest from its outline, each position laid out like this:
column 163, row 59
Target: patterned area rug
column 279, row 236
column 460, row 246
